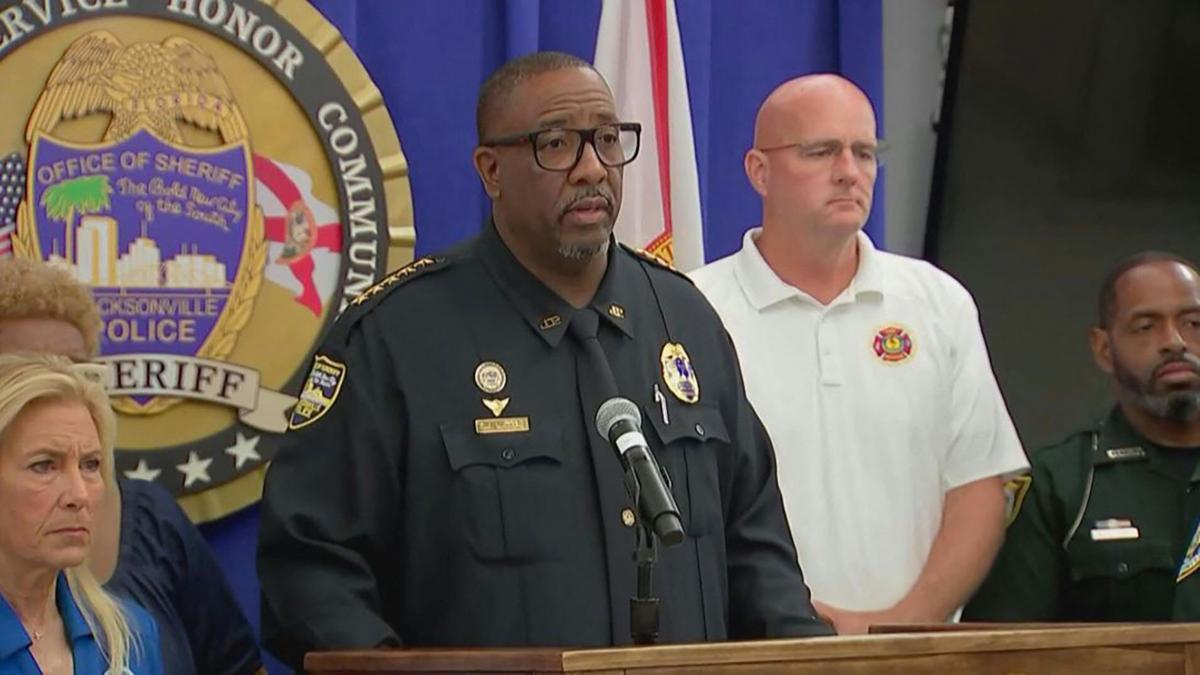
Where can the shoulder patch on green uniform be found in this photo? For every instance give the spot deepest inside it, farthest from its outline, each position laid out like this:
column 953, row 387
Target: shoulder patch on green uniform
column 1127, row 454
column 647, row 256
column 1015, row 490
column 409, row 272
column 1191, row 558
column 320, row 391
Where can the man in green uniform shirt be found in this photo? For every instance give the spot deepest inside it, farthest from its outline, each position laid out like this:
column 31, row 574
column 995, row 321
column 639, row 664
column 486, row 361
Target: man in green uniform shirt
column 1107, row 527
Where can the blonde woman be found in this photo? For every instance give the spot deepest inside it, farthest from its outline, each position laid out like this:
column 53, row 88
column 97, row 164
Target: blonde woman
column 56, row 467
column 144, row 548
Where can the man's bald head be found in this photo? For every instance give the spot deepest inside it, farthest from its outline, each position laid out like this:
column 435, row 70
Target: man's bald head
column 784, row 111
column 815, row 157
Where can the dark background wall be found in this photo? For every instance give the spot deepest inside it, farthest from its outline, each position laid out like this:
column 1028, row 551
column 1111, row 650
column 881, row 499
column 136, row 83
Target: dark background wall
column 1072, row 145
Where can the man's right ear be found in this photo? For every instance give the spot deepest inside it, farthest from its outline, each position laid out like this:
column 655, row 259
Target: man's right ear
column 757, row 167
column 487, row 165
column 1102, row 349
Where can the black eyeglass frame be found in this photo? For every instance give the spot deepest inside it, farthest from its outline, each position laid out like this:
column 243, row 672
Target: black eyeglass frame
column 586, row 137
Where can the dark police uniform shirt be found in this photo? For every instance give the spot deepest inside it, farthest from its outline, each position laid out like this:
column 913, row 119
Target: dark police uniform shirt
column 1105, row 531
column 165, row 566
column 392, row 516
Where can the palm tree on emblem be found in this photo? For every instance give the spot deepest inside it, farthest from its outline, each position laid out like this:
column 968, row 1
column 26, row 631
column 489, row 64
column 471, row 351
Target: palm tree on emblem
column 76, row 196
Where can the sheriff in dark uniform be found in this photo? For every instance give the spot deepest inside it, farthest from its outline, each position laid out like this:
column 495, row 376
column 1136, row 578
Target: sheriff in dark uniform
column 1107, row 528
column 444, row 484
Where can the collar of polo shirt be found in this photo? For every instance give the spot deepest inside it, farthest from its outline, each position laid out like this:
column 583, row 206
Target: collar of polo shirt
column 764, row 287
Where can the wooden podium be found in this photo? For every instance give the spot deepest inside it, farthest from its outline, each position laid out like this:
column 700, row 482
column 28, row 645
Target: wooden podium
column 996, row 649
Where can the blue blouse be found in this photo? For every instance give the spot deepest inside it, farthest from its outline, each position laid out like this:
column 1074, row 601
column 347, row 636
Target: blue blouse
column 164, row 565
column 15, row 658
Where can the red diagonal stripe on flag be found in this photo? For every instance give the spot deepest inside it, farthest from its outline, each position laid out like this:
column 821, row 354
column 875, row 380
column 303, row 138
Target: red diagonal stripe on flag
column 656, row 26
column 302, row 268
column 279, row 182
column 329, row 235
column 275, row 228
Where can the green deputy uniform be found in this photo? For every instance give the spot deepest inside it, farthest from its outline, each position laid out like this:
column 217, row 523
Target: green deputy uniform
column 1104, row 529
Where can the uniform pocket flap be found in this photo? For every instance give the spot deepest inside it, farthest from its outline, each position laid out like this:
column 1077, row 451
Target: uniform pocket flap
column 1118, row 559
column 465, row 447
column 700, row 421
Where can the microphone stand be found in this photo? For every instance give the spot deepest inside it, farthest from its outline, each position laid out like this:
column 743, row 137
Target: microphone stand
column 643, row 606
column 619, row 421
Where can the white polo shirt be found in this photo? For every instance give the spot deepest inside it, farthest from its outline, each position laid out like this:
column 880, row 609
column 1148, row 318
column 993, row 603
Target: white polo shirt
column 877, row 404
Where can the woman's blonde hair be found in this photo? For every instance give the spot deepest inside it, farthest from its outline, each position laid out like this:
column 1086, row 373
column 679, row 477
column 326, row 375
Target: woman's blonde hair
column 25, row 379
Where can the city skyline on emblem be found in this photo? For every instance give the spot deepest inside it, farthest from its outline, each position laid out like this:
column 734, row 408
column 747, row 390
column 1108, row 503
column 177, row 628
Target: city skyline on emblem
column 159, row 223
column 98, row 262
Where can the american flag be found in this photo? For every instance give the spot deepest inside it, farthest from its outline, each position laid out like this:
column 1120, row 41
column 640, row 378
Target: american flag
column 12, row 188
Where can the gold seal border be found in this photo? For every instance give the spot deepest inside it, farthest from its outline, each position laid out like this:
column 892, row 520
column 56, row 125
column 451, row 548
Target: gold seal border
column 368, row 99
column 246, row 490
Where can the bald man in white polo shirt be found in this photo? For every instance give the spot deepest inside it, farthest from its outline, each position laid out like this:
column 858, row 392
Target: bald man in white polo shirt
column 869, row 371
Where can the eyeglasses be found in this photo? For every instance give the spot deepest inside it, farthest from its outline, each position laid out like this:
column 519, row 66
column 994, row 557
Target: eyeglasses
column 868, row 154
column 559, row 149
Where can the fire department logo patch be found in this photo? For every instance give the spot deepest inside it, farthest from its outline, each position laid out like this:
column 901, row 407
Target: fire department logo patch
column 892, row 344
column 225, row 190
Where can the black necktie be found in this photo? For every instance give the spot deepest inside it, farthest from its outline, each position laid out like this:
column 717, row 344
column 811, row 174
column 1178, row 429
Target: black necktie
column 601, row 385
column 596, row 385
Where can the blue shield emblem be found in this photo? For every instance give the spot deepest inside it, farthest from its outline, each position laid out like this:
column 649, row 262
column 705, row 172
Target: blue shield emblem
column 166, row 236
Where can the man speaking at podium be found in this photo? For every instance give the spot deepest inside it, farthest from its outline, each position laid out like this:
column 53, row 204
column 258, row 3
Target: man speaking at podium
column 444, row 482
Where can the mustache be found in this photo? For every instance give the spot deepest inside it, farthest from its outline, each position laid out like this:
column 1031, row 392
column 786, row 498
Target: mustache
column 1186, row 358
column 852, row 193
column 588, row 193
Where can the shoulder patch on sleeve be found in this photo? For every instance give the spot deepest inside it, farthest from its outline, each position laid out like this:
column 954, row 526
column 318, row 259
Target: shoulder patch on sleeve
column 653, row 259
column 1191, row 559
column 320, row 392
column 411, row 271
column 1015, row 490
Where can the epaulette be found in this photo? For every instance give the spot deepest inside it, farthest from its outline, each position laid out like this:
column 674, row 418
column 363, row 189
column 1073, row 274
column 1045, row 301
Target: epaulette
column 654, row 259
column 329, row 366
column 416, row 268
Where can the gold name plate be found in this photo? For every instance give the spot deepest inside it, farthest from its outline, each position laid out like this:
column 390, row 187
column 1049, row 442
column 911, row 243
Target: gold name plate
column 502, row 425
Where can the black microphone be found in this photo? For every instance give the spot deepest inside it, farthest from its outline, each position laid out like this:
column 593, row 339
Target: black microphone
column 620, row 421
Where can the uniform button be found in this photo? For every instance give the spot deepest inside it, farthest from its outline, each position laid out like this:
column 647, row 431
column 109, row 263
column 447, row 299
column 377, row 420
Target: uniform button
column 1122, row 568
column 627, row 517
column 699, row 429
column 507, row 454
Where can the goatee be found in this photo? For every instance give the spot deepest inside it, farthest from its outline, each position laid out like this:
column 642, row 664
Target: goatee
column 583, row 251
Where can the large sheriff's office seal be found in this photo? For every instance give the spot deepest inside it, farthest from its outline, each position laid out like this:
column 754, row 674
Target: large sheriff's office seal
column 225, row 177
